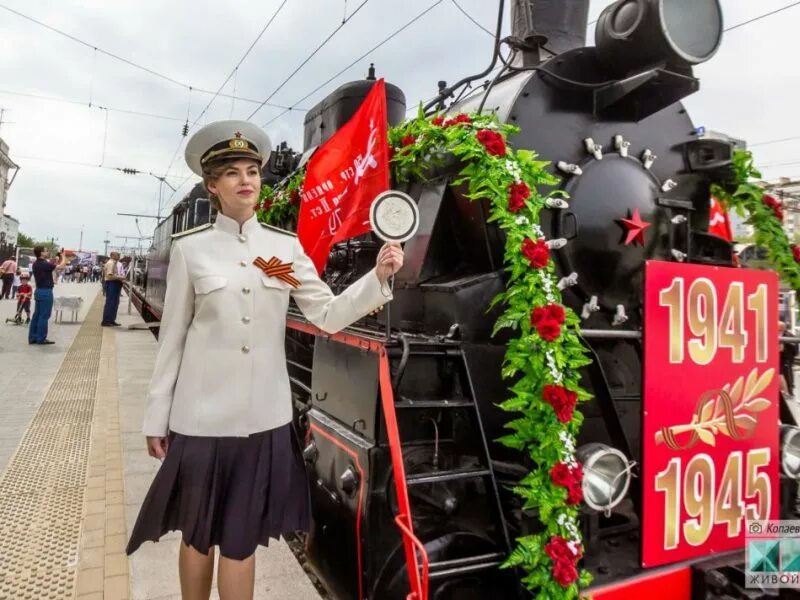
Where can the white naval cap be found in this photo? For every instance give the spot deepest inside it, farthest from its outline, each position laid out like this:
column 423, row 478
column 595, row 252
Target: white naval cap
column 227, row 139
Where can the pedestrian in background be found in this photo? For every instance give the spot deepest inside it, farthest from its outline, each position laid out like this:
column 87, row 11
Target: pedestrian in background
column 113, row 285
column 16, row 284
column 43, row 275
column 7, row 271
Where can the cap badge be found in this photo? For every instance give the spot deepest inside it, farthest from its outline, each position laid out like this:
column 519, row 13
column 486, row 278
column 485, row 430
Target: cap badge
column 238, row 144
column 237, row 135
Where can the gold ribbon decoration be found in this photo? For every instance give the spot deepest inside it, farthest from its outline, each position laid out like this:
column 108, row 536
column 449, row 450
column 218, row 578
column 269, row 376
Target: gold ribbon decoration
column 728, row 413
column 275, row 268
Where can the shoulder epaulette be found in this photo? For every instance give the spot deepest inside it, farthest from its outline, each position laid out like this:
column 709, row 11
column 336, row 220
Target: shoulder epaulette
column 279, row 230
column 197, row 229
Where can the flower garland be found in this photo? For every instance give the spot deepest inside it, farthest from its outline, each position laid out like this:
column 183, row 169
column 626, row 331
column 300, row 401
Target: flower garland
column 545, row 358
column 280, row 205
column 546, row 355
column 763, row 212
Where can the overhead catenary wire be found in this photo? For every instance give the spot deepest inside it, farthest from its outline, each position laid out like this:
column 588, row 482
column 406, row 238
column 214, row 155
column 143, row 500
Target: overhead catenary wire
column 356, row 61
column 126, row 61
column 471, row 18
column 77, row 163
column 308, row 58
column 777, row 141
column 763, row 16
column 219, row 89
column 241, row 60
column 83, row 103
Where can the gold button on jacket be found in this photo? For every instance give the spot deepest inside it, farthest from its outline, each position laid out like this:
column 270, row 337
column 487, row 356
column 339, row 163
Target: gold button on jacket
column 221, row 367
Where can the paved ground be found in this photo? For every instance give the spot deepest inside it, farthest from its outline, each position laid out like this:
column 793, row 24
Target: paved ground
column 114, row 473
column 26, row 371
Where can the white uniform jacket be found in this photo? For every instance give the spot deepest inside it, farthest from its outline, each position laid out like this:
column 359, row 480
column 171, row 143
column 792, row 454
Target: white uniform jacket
column 221, row 366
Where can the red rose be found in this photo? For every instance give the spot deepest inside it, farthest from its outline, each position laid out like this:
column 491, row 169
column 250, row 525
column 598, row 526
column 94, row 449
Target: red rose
column 408, row 140
column 574, row 494
column 561, row 474
column 457, row 120
column 778, row 210
column 492, row 141
column 562, row 400
column 570, row 478
column 515, row 203
column 536, row 252
column 769, row 201
column 565, row 573
column 556, row 313
column 538, row 315
column 558, row 549
column 437, row 121
column 294, row 197
column 549, row 330
column 517, row 194
column 796, row 252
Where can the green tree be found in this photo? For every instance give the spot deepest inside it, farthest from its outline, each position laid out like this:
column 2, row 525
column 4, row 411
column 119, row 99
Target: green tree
column 24, row 241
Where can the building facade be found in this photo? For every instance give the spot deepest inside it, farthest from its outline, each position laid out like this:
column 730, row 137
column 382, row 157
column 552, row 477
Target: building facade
column 9, row 230
column 8, row 170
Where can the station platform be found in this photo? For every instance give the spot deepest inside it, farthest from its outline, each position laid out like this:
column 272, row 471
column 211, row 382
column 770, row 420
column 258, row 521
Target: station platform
column 74, row 467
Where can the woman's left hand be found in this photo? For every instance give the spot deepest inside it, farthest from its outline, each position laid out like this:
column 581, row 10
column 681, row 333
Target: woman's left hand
column 389, row 262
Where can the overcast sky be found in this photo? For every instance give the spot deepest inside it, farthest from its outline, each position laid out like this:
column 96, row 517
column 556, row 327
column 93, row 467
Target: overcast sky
column 749, row 89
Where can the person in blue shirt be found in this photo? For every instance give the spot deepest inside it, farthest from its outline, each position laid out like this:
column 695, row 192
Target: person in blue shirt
column 43, row 296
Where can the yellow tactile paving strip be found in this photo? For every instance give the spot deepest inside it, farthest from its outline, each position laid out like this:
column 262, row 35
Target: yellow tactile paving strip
column 42, row 490
column 102, row 563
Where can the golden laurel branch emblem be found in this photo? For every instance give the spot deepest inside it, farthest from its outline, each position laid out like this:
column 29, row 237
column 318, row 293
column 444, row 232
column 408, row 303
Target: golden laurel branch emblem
column 731, row 411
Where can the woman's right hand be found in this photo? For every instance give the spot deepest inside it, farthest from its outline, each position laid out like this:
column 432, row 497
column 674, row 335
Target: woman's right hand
column 157, row 447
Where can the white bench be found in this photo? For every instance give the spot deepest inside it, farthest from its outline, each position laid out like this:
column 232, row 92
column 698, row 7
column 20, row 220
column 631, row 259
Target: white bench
column 70, row 303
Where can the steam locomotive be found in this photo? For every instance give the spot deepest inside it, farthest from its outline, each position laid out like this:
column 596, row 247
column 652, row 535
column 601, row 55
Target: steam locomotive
column 398, row 414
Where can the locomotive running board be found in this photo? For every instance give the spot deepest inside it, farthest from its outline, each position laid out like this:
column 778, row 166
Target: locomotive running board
column 417, row 566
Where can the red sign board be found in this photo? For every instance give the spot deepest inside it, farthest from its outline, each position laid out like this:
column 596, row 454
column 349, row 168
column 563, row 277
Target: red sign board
column 710, row 427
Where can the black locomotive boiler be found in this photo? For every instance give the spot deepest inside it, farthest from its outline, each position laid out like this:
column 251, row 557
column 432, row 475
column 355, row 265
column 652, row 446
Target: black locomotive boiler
column 408, row 487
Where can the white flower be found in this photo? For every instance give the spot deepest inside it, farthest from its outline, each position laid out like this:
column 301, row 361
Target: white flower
column 551, row 364
column 573, row 547
column 521, row 220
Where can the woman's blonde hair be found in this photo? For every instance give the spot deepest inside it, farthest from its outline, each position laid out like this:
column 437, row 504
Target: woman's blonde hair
column 212, row 171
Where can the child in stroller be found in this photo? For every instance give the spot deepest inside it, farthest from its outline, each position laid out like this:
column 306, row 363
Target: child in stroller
column 24, row 295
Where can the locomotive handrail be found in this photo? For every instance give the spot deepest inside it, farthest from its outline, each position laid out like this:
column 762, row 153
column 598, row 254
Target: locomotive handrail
column 418, row 581
column 400, row 520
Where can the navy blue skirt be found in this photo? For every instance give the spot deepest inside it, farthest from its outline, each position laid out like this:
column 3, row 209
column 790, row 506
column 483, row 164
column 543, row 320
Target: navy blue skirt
column 230, row 492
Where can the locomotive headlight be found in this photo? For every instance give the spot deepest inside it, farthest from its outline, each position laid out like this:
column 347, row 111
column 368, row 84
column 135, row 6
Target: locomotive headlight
column 632, row 34
column 790, row 451
column 606, row 476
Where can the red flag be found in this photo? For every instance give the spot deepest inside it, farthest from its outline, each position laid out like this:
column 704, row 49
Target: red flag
column 719, row 223
column 343, row 178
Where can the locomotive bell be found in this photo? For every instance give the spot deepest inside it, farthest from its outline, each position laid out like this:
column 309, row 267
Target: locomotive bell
column 633, row 34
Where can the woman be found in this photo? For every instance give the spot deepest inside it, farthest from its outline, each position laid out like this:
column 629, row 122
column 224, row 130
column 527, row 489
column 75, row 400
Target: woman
column 219, row 408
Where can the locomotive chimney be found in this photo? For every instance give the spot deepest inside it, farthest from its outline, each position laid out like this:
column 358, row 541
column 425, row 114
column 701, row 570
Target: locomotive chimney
column 547, row 27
